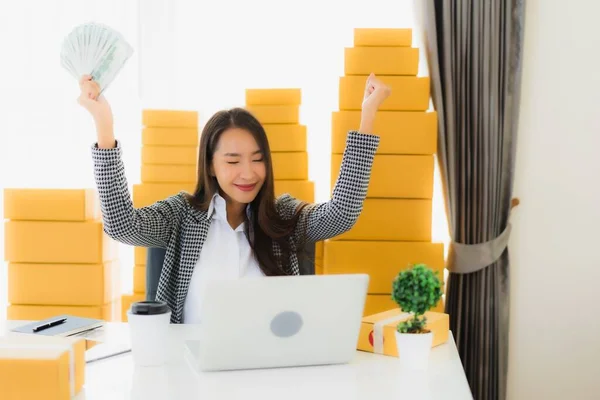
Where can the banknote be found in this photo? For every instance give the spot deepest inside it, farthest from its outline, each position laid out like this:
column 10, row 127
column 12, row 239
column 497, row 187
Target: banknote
column 95, row 49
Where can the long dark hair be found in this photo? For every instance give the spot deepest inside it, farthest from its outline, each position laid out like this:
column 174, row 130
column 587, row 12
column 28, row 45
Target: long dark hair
column 266, row 226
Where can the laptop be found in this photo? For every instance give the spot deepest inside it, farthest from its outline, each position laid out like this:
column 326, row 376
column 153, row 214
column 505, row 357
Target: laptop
column 287, row 321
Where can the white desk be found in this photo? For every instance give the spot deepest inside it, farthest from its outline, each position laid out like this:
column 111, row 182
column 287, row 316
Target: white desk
column 368, row 376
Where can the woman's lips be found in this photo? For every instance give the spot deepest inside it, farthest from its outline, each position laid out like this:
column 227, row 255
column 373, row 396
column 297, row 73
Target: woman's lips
column 246, row 188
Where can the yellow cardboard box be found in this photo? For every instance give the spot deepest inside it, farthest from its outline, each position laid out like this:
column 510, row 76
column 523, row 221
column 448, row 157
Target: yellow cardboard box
column 392, row 219
column 153, row 118
column 51, row 204
column 286, row 137
column 170, row 137
column 58, row 242
column 396, row 176
column 63, row 284
column 377, row 303
column 170, row 155
column 381, row 60
column 56, row 364
column 50, row 367
column 90, row 343
column 409, row 93
column 127, row 300
column 381, row 260
column 290, row 166
column 139, row 255
column 377, row 331
column 382, row 37
column 400, row 132
column 75, row 345
column 302, row 190
column 153, row 173
column 107, row 312
column 275, row 96
column 139, row 279
column 276, row 114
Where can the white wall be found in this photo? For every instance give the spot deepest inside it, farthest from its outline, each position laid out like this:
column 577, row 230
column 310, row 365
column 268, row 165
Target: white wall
column 187, row 55
column 555, row 249
column 45, row 136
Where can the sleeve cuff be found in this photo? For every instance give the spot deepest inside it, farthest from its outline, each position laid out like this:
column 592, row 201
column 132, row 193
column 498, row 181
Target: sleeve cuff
column 365, row 141
column 106, row 156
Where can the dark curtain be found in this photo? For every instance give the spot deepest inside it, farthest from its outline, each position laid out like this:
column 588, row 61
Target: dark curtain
column 474, row 52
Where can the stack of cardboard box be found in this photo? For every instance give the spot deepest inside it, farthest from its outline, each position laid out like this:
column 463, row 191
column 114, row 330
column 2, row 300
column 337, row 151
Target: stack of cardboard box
column 278, row 110
column 59, row 259
column 394, row 228
column 169, row 165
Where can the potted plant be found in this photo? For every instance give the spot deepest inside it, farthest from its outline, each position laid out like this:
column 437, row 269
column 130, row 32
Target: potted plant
column 415, row 290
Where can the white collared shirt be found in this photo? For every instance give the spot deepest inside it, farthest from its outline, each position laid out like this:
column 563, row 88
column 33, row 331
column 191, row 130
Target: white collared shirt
column 226, row 254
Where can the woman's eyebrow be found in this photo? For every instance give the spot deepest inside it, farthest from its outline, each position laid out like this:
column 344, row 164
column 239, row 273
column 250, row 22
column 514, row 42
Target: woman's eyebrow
column 239, row 155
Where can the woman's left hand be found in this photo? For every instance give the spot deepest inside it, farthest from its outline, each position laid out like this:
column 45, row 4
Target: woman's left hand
column 375, row 93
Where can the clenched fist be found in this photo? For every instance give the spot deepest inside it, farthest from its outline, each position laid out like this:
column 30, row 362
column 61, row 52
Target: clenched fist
column 93, row 102
column 375, row 93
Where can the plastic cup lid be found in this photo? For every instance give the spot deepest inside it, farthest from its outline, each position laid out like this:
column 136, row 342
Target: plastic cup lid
column 149, row 308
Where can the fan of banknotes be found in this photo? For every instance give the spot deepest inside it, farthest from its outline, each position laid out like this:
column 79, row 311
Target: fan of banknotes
column 97, row 50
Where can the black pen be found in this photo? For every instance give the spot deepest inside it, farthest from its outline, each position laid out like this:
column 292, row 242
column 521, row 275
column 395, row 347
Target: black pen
column 49, row 324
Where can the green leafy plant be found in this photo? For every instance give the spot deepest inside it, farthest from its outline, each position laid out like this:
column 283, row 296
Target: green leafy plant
column 416, row 290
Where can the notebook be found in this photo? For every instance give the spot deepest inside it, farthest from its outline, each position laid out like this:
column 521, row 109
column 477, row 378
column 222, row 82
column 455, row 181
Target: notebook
column 61, row 325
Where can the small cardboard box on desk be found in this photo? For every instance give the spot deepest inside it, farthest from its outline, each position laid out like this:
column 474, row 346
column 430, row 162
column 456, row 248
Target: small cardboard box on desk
column 36, row 367
column 377, row 330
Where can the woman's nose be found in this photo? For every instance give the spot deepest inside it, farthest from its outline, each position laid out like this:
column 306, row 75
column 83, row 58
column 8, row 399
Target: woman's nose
column 247, row 171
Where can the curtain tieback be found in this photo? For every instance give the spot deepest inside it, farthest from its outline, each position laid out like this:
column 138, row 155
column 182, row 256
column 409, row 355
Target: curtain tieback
column 469, row 258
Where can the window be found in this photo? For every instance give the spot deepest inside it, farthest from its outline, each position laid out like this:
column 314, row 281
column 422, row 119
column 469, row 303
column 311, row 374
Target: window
column 188, row 55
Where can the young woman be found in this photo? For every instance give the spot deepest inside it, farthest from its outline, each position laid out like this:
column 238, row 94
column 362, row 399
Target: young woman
column 232, row 226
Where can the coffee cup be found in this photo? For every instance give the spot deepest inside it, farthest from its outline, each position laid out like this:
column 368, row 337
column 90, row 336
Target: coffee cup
column 149, row 323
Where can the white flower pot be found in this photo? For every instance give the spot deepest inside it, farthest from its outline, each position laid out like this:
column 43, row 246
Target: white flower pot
column 414, row 349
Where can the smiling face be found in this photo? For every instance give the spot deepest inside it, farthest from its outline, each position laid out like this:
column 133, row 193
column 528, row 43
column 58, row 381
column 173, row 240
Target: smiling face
column 238, row 165
column 234, row 160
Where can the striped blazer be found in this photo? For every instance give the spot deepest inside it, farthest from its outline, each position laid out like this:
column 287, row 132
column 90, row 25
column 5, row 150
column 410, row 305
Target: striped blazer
column 181, row 229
